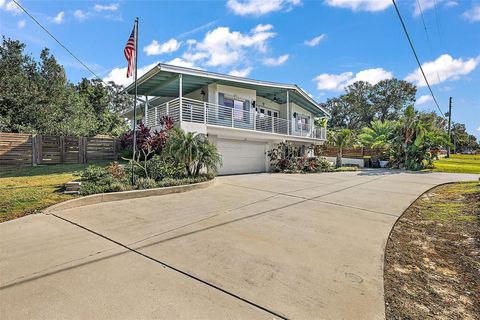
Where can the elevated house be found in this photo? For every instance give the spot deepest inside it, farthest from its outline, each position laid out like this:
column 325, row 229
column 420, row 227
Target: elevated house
column 244, row 118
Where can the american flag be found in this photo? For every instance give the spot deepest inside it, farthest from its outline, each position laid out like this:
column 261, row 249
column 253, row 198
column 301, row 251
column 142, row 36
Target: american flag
column 129, row 53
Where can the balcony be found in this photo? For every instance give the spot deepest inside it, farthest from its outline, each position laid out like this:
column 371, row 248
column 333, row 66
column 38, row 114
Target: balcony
column 196, row 111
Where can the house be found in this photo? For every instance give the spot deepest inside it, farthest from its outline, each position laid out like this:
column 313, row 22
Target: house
column 244, row 118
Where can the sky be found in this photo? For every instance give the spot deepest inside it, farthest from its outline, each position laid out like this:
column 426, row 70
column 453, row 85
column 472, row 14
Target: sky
column 322, row 46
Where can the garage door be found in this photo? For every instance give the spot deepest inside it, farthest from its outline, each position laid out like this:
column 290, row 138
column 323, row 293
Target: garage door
column 241, row 156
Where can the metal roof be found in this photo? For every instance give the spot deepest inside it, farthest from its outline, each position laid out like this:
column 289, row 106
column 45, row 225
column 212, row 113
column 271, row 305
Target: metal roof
column 162, row 80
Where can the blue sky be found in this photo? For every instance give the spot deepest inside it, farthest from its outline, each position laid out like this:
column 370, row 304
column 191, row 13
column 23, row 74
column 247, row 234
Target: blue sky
column 319, row 45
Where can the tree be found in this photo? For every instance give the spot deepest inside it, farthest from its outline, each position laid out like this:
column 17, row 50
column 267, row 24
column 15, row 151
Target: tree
column 378, row 135
column 390, row 97
column 463, row 140
column 183, row 146
column 362, row 103
column 341, row 139
column 208, row 156
column 359, row 99
column 415, row 140
column 36, row 97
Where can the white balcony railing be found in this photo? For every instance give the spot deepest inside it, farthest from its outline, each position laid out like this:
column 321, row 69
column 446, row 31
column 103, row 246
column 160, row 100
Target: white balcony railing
column 213, row 114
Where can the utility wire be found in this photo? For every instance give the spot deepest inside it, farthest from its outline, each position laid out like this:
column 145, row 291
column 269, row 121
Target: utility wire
column 428, row 37
column 58, row 41
column 416, row 58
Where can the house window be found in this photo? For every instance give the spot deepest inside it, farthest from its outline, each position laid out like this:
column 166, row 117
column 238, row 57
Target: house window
column 268, row 112
column 302, row 122
column 241, row 108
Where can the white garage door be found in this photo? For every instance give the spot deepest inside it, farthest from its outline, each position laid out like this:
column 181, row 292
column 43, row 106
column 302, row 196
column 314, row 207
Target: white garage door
column 241, row 156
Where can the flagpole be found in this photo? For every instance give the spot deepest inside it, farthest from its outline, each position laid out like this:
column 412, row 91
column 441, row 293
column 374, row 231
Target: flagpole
column 134, row 125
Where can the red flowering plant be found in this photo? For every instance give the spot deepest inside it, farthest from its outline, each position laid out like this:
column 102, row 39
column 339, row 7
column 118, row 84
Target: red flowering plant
column 148, row 141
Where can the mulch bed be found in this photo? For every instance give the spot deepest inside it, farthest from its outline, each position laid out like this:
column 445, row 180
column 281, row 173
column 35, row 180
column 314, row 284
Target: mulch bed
column 432, row 262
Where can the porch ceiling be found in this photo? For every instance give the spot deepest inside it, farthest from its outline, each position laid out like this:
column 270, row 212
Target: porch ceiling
column 162, row 81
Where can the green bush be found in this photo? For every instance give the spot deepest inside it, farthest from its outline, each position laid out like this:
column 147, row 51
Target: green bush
column 161, row 167
column 96, row 174
column 97, row 179
column 146, row 183
column 323, row 165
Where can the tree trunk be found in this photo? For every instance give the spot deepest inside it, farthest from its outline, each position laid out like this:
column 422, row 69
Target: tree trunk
column 339, row 158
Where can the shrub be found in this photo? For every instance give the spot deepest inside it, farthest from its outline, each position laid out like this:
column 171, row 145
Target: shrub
column 146, row 183
column 89, row 187
column 97, row 174
column 97, row 179
column 323, row 165
column 160, row 167
column 116, row 170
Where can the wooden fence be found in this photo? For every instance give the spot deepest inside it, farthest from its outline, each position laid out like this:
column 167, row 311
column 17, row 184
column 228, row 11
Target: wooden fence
column 354, row 153
column 18, row 149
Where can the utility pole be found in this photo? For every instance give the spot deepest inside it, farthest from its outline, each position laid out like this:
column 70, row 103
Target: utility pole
column 449, row 123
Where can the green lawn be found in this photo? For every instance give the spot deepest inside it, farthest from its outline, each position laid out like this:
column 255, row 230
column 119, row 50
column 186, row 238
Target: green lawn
column 27, row 190
column 458, row 163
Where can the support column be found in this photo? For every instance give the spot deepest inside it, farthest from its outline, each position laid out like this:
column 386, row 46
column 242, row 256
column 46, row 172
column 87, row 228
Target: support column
column 146, row 111
column 288, row 112
column 180, row 96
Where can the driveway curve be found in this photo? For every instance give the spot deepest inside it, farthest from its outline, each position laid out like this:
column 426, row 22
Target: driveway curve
column 260, row 246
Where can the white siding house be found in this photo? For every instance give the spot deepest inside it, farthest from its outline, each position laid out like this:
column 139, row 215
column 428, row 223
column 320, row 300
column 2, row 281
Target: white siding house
column 244, row 118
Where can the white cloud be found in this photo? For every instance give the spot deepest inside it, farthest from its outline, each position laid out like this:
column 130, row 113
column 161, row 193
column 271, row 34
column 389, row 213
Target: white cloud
column 478, row 129
column 446, row 67
column 108, row 7
column 273, row 62
column 450, row 4
column 424, row 99
column 260, row 7
column 424, row 5
column 361, row 5
column 241, row 72
column 222, row 47
column 11, row 7
column 473, row 15
column 182, row 63
column 80, row 15
column 59, row 18
column 119, row 75
column 336, row 82
column 315, row 41
column 156, row 48
column 21, row 24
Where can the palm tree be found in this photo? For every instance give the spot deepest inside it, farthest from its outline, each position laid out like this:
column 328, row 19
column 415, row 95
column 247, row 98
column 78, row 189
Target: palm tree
column 378, row 136
column 185, row 148
column 208, row 156
column 342, row 139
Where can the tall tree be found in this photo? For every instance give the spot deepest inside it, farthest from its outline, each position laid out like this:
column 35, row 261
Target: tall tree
column 37, row 97
column 390, row 97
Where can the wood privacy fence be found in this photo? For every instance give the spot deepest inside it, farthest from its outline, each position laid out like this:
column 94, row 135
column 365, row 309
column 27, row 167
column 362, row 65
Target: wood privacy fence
column 18, row 149
column 354, row 153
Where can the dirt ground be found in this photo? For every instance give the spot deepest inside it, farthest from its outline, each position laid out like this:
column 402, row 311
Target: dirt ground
column 432, row 267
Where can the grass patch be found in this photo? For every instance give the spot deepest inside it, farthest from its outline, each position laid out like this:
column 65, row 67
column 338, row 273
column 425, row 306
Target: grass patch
column 27, row 190
column 458, row 163
column 431, row 258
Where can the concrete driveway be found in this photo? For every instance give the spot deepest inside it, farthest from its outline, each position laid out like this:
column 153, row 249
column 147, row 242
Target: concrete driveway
column 249, row 247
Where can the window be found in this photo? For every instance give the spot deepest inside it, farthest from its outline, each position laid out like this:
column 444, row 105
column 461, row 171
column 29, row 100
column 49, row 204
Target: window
column 302, row 122
column 241, row 108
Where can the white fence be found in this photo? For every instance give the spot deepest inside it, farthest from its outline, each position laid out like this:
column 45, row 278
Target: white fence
column 214, row 114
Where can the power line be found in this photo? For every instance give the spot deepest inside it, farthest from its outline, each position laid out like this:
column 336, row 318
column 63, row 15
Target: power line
column 416, row 57
column 58, row 41
column 428, row 37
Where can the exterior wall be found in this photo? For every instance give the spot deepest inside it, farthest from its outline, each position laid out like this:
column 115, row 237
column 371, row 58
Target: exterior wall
column 241, row 93
column 197, row 95
column 262, row 102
